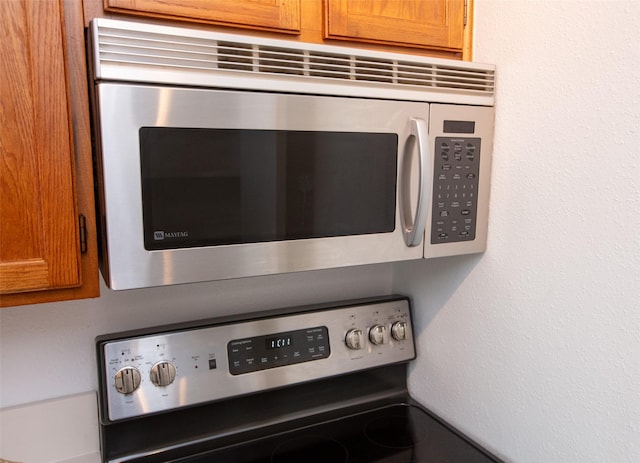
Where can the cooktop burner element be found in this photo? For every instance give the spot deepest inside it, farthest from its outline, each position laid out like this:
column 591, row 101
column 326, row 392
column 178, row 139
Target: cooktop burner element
column 400, row 431
column 320, row 384
column 312, row 449
column 395, row 433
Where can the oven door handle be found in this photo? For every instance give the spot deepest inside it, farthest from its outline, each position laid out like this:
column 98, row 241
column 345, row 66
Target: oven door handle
column 413, row 222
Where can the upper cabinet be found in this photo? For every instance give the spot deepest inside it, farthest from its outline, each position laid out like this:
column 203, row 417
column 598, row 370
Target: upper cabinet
column 44, row 253
column 437, row 24
column 281, row 15
column 434, row 27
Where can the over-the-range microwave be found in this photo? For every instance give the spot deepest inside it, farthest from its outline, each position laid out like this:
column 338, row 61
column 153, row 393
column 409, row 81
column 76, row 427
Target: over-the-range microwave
column 224, row 156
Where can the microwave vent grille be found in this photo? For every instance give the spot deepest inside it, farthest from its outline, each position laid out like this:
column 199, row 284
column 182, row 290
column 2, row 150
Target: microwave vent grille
column 130, row 52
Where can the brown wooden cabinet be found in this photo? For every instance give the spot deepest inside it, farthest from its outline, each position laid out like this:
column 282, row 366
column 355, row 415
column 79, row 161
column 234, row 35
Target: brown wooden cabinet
column 433, row 27
column 45, row 156
column 281, row 15
column 413, row 23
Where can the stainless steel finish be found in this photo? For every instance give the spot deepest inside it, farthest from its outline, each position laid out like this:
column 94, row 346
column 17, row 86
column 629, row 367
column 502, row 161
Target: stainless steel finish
column 152, row 75
column 483, row 118
column 378, row 335
column 414, row 225
column 126, row 380
column 162, row 373
column 201, row 361
column 354, row 339
column 399, row 331
column 139, row 52
column 124, row 108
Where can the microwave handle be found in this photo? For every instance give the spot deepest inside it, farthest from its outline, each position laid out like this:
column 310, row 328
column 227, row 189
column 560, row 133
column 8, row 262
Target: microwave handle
column 414, row 231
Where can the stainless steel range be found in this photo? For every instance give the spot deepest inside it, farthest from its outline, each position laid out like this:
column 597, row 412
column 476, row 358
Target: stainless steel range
column 323, row 383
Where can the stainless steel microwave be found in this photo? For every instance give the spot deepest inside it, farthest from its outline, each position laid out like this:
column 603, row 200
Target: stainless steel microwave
column 222, row 156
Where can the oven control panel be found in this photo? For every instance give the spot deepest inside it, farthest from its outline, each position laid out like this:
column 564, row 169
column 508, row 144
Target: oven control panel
column 177, row 367
column 278, row 349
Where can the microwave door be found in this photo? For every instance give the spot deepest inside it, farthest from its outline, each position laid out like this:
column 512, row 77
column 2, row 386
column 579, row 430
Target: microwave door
column 242, row 186
column 203, row 184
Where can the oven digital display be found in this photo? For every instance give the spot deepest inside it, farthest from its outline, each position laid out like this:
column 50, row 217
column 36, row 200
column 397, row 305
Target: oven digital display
column 278, row 342
column 278, row 349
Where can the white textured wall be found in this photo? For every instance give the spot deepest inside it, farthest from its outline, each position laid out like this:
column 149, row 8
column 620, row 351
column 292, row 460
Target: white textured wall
column 534, row 347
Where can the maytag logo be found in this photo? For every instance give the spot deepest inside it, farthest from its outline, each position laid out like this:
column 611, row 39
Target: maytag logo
column 161, row 235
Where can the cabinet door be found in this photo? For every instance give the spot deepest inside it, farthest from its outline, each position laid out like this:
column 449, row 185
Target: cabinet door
column 39, row 242
column 281, row 15
column 436, row 24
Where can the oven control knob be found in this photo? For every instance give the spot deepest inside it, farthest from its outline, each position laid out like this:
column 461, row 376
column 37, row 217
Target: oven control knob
column 354, row 339
column 399, row 331
column 378, row 334
column 127, row 380
column 163, row 373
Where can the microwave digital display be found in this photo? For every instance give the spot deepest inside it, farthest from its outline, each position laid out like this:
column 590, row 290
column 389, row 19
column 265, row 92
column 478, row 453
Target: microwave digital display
column 458, row 126
column 207, row 187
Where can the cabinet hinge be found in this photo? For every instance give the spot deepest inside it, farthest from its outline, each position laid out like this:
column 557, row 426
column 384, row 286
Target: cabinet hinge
column 466, row 8
column 83, row 233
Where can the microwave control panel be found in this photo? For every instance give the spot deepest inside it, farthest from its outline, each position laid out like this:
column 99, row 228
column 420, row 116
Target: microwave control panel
column 455, row 189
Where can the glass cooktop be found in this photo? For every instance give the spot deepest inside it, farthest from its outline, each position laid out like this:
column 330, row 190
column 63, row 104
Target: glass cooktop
column 398, row 433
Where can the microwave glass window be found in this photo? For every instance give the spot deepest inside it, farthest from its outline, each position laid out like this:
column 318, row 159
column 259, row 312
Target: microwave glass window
column 204, row 187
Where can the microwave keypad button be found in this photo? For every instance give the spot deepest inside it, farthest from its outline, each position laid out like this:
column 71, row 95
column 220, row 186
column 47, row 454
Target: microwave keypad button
column 454, row 193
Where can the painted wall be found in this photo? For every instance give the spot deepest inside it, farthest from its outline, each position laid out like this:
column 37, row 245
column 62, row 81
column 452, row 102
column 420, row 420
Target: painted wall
column 534, row 347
